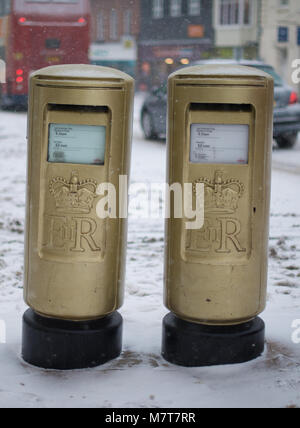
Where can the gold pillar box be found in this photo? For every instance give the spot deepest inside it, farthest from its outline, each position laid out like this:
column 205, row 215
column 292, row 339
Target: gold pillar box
column 79, row 137
column 220, row 136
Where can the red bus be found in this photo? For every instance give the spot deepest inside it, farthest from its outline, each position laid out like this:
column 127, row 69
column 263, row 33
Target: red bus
column 40, row 33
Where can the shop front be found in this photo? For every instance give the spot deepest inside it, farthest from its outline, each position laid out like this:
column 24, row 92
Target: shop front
column 121, row 55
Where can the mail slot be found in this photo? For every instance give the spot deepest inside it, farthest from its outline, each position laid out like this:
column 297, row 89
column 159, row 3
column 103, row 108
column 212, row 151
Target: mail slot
column 220, row 137
column 79, row 138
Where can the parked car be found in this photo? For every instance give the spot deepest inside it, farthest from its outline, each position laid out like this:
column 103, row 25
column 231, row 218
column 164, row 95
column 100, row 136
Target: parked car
column 286, row 110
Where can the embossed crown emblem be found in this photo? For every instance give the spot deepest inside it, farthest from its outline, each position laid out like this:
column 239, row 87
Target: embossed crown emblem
column 73, row 196
column 221, row 196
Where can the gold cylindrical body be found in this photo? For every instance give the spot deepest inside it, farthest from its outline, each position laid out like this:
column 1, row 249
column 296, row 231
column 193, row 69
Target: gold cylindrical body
column 75, row 260
column 218, row 275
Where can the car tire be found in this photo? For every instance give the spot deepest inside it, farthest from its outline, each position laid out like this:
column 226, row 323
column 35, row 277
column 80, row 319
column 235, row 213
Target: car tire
column 287, row 141
column 148, row 127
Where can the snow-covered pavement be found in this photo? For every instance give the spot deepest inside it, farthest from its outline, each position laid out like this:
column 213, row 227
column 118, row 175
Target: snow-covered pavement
column 140, row 377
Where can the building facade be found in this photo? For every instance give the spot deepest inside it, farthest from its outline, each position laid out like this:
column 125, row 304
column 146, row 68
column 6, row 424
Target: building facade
column 173, row 33
column 237, row 28
column 115, row 28
column 280, row 36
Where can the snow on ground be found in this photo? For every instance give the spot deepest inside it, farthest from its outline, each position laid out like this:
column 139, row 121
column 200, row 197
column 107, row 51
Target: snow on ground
column 140, row 377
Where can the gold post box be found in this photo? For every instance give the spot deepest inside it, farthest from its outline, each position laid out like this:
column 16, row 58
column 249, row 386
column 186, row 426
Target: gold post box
column 79, row 132
column 219, row 136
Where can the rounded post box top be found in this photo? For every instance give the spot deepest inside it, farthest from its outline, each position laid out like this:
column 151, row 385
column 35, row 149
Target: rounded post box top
column 81, row 72
column 221, row 71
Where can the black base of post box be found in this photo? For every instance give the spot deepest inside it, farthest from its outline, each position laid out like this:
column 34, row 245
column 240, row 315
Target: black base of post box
column 196, row 345
column 67, row 345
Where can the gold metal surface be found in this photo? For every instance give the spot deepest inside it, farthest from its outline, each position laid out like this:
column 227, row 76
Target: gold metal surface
column 75, row 261
column 218, row 275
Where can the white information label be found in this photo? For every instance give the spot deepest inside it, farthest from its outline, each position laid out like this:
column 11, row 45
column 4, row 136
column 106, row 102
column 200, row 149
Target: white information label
column 219, row 144
column 78, row 144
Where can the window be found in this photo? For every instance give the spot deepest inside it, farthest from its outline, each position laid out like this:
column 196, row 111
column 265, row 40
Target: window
column 247, row 12
column 100, row 27
column 175, row 8
column 194, row 7
column 235, row 12
column 230, row 10
column 283, row 34
column 114, row 35
column 158, row 9
column 127, row 22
